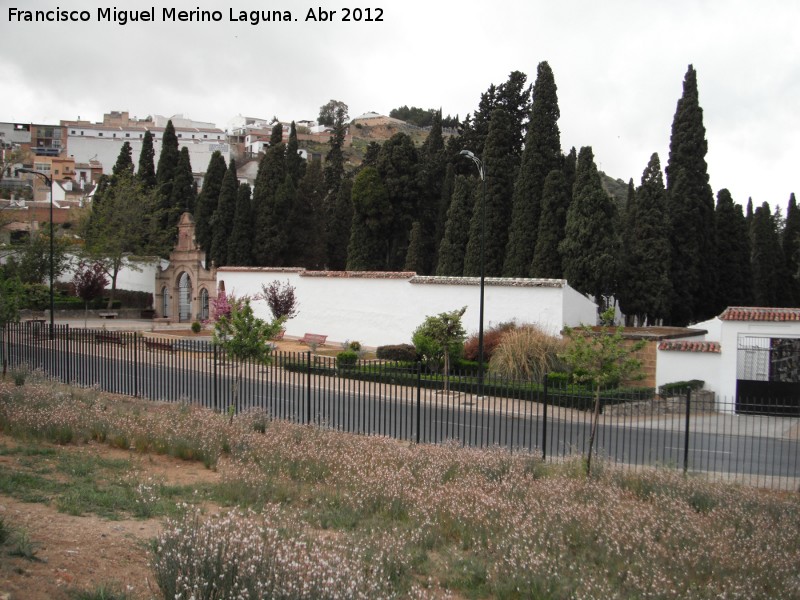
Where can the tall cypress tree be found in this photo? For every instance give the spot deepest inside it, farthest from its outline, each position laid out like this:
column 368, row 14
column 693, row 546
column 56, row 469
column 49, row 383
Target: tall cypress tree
column 339, row 211
column 124, row 164
column 184, row 190
column 147, row 168
column 295, row 165
column 590, row 247
column 556, row 197
column 691, row 206
column 306, row 222
column 270, row 177
column 369, row 244
column 767, row 258
column 456, row 234
column 500, row 170
column 515, row 97
column 791, row 249
column 240, row 245
column 645, row 283
column 207, row 199
column 398, row 167
column 733, row 254
column 224, row 216
column 542, row 155
column 165, row 177
column 334, row 159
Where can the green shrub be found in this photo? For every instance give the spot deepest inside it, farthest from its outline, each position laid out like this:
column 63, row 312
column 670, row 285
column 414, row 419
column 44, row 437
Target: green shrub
column 680, row 387
column 196, row 327
column 346, row 359
column 491, row 338
column 398, row 352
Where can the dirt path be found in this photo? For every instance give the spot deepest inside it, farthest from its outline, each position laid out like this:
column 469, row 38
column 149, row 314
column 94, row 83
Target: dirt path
column 85, row 552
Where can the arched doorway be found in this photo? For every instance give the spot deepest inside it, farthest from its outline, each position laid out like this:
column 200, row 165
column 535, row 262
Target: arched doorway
column 184, row 297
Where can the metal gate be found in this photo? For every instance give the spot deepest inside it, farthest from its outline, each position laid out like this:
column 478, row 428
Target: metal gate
column 768, row 376
column 184, row 297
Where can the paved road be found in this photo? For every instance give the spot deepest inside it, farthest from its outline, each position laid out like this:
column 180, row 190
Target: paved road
column 720, row 443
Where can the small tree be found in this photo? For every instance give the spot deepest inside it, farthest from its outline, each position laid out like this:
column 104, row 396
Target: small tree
column 281, row 299
column 600, row 357
column 11, row 294
column 244, row 337
column 89, row 282
column 439, row 338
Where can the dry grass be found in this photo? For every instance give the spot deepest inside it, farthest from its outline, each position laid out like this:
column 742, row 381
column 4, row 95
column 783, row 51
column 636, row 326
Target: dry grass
column 526, row 354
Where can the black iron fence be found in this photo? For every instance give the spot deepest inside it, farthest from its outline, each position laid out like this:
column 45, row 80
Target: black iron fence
column 693, row 431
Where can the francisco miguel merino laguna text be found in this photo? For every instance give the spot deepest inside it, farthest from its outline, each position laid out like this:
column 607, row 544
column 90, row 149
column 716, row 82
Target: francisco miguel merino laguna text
column 253, row 17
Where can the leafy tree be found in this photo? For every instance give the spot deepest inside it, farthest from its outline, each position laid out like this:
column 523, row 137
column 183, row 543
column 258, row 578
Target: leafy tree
column 691, row 206
column 456, row 234
column 398, row 167
column 89, row 282
column 281, row 299
column 207, row 201
column 645, row 286
column 369, row 246
column 124, row 226
column 124, row 162
column 602, row 358
column 590, row 248
column 791, row 249
column 224, row 216
column 542, row 155
column 11, row 294
column 491, row 222
column 244, row 338
column 31, row 264
column 556, row 196
column 240, row 252
column 439, row 339
column 184, row 189
column 147, row 169
column 733, row 247
column 339, row 221
column 332, row 112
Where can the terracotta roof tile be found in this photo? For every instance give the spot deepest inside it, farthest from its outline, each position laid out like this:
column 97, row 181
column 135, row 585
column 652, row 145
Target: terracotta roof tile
column 758, row 313
column 687, row 346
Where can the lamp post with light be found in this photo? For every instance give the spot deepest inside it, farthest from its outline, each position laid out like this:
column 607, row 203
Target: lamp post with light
column 482, row 173
column 49, row 182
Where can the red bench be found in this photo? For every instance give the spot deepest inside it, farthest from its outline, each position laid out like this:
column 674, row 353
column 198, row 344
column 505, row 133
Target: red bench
column 313, row 339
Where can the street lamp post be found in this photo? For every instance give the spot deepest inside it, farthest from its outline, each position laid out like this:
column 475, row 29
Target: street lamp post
column 482, row 173
column 49, row 182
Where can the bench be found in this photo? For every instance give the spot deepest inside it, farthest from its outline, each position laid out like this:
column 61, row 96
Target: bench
column 32, row 322
column 156, row 345
column 278, row 336
column 110, row 338
column 107, row 315
column 313, row 338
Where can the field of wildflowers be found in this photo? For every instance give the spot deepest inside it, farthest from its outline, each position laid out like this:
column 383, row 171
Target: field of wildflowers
column 308, row 513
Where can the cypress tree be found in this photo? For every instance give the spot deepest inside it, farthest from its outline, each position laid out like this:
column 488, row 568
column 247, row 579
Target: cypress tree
column 791, row 249
column 224, row 216
column 124, row 164
column 369, row 243
column 547, row 262
column 273, row 232
column 421, row 256
column 295, row 165
column 515, row 97
column 306, row 222
column 240, row 245
column 276, row 135
column 590, row 247
column 184, row 189
column 691, row 206
column 207, row 199
column 334, row 160
column 165, row 176
column 542, row 155
column 398, row 167
column 271, row 176
column 767, row 258
column 733, row 254
column 500, row 170
column 338, row 225
column 456, row 234
column 569, row 167
column 645, row 287
column 147, row 169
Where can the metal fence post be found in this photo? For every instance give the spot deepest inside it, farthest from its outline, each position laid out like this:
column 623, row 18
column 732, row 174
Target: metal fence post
column 135, row 365
column 419, row 399
column 308, row 387
column 686, row 441
column 544, row 420
column 216, row 386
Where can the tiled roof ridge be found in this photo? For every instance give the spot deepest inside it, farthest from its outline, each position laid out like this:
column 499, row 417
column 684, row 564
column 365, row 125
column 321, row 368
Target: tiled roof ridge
column 760, row 313
column 689, row 346
column 499, row 281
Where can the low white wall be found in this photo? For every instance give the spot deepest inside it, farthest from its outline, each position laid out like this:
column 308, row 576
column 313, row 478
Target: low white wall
column 672, row 366
column 385, row 308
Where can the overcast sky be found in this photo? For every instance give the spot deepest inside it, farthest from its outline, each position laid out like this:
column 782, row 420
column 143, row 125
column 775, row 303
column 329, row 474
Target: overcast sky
column 619, row 67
